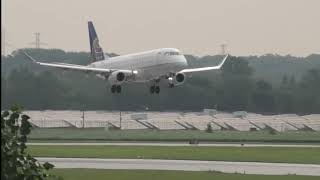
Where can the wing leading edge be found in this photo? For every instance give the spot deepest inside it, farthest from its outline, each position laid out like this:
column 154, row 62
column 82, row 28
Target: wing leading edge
column 206, row 68
column 76, row 67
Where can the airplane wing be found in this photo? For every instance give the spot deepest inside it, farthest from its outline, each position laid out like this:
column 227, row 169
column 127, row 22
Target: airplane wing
column 206, row 68
column 77, row 67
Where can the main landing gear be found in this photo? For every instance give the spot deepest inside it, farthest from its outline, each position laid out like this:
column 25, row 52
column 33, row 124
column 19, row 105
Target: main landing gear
column 155, row 89
column 116, row 89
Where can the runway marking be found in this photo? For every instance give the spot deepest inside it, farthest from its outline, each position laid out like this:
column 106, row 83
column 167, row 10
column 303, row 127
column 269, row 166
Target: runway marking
column 187, row 165
column 176, row 144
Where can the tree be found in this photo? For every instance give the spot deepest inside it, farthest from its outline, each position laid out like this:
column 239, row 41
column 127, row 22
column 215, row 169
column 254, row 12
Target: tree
column 16, row 163
column 292, row 82
column 263, row 97
column 284, row 96
column 308, row 92
column 284, row 80
column 233, row 89
column 236, row 85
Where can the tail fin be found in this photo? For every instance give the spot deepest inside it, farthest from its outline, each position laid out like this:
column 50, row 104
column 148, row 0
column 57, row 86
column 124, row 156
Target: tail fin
column 96, row 51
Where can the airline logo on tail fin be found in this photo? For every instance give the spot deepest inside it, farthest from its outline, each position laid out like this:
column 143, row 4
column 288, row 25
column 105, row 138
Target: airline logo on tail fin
column 96, row 51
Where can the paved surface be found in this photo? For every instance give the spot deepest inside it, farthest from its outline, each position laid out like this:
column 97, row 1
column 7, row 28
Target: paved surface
column 174, row 144
column 186, row 165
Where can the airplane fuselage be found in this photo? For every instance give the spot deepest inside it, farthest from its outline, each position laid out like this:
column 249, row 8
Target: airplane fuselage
column 150, row 65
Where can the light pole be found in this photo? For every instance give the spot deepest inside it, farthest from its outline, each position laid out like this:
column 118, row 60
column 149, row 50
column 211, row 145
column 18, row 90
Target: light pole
column 82, row 117
column 120, row 120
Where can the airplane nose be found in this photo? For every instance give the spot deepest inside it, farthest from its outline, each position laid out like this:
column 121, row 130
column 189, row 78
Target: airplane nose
column 184, row 60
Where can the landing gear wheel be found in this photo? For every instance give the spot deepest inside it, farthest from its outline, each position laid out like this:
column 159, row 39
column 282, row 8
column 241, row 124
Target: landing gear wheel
column 118, row 89
column 113, row 88
column 171, row 85
column 152, row 89
column 157, row 89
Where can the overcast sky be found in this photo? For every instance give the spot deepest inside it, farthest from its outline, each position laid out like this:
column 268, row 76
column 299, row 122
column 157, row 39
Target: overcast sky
column 248, row 27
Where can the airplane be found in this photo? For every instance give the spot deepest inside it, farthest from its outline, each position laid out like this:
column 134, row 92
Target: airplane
column 166, row 64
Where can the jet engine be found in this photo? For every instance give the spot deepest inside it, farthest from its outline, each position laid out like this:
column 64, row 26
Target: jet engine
column 117, row 77
column 177, row 80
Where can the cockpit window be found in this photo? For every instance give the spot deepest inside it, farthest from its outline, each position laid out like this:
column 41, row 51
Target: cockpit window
column 171, row 53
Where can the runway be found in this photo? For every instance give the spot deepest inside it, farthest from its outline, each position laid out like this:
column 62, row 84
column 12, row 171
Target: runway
column 187, row 165
column 175, row 144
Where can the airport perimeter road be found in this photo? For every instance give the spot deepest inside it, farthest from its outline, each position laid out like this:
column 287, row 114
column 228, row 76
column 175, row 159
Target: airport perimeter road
column 186, row 165
column 176, row 144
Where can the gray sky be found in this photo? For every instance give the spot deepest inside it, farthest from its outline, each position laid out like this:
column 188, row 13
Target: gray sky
column 249, row 27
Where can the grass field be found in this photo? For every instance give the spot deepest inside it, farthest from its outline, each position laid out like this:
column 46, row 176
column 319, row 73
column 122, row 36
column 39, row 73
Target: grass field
column 85, row 174
column 257, row 154
column 99, row 134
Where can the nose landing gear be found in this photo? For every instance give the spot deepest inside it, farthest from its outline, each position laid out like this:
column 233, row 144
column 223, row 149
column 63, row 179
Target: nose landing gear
column 155, row 89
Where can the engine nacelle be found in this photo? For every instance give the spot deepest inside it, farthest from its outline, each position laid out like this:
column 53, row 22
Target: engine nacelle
column 177, row 80
column 180, row 78
column 117, row 77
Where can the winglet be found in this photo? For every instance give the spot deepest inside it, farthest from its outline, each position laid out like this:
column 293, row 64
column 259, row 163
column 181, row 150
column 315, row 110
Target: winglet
column 223, row 61
column 206, row 68
column 29, row 57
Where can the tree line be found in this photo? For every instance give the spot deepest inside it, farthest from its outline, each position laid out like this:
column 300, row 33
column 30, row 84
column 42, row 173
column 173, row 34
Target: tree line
column 266, row 84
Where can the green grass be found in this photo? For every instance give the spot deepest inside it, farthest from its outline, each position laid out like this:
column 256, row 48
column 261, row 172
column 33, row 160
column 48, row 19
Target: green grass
column 85, row 174
column 257, row 154
column 99, row 134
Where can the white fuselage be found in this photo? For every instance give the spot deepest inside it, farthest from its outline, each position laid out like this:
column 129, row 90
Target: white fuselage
column 149, row 65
